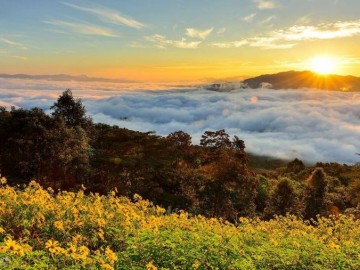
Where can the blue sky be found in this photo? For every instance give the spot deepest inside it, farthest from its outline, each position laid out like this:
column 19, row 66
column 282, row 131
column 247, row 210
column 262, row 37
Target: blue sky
column 189, row 39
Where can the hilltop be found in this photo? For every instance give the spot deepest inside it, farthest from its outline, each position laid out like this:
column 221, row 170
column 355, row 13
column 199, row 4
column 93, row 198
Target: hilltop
column 304, row 79
column 293, row 80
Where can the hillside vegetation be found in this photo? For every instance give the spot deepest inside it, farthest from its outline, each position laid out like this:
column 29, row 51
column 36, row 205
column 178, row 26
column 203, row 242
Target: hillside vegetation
column 41, row 230
column 217, row 178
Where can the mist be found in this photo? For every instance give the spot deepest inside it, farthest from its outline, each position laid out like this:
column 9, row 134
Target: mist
column 312, row 125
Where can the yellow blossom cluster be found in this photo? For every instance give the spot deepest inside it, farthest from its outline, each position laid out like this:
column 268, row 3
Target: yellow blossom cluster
column 41, row 229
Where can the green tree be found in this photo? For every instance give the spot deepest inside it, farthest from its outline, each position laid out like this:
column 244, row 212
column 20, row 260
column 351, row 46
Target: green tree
column 180, row 138
column 315, row 194
column 295, row 166
column 72, row 110
column 284, row 199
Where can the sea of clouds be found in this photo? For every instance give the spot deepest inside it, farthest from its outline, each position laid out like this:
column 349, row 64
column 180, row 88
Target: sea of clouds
column 312, row 125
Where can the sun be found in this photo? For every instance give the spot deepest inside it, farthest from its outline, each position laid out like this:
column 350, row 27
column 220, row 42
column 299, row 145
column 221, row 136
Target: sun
column 323, row 65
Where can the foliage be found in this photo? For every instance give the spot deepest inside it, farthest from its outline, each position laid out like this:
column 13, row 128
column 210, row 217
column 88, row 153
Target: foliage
column 315, row 193
column 71, row 110
column 284, row 199
column 217, row 178
column 35, row 145
column 40, row 230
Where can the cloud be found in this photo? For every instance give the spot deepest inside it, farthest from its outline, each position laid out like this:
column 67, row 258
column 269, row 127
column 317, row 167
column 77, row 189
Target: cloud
column 304, row 20
column 86, row 29
column 10, row 55
column 265, row 4
column 110, row 16
column 162, row 42
column 268, row 20
column 249, row 18
column 309, row 124
column 13, row 43
column 196, row 33
column 289, row 37
column 221, row 31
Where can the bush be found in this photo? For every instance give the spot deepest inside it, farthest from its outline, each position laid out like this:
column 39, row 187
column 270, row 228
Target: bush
column 43, row 230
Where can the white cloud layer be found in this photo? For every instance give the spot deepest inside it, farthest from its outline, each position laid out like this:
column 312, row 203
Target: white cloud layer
column 289, row 37
column 162, row 42
column 265, row 4
column 13, row 43
column 249, row 18
column 82, row 28
column 309, row 124
column 109, row 15
column 196, row 33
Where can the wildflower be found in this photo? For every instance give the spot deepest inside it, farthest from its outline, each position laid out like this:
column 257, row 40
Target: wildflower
column 111, row 255
column 137, row 197
column 274, row 242
column 83, row 252
column 150, row 266
column 3, row 180
column 334, row 246
column 13, row 247
column 71, row 251
column 52, row 246
column 10, row 244
column 101, row 222
column 2, row 230
column 106, row 266
column 76, row 238
column 59, row 225
column 101, row 234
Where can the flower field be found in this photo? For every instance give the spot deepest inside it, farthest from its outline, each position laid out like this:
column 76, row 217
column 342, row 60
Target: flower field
column 41, row 230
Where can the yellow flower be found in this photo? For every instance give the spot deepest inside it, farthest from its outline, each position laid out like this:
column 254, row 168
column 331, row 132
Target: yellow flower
column 83, row 252
column 111, row 255
column 274, row 242
column 2, row 230
column 137, row 197
column 333, row 245
column 71, row 251
column 76, row 238
column 13, row 247
column 59, row 225
column 3, row 180
column 52, row 246
column 101, row 222
column 150, row 266
column 106, row 266
column 101, row 234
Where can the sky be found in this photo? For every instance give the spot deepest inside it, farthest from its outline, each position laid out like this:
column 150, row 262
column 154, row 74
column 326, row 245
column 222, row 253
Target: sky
column 177, row 40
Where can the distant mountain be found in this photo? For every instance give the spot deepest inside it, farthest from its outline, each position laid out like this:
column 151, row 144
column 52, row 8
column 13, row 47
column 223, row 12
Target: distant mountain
column 304, row 79
column 63, row 77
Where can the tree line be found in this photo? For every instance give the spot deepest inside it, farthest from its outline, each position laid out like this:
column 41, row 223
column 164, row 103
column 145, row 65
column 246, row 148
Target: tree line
column 65, row 150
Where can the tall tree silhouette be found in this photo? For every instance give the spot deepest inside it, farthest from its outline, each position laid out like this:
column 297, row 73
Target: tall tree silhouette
column 72, row 110
column 315, row 193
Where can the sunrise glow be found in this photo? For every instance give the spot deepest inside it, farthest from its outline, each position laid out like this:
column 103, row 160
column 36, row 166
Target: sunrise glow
column 323, row 65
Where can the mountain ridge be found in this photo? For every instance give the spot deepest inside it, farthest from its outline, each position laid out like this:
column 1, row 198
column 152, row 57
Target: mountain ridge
column 293, row 80
column 305, row 79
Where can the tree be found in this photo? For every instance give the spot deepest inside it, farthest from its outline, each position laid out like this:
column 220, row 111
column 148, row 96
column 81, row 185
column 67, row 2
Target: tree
column 37, row 146
column 315, row 192
column 72, row 110
column 283, row 199
column 215, row 139
column 180, row 138
column 295, row 166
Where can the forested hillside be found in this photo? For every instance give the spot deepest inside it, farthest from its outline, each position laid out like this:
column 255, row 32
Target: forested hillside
column 66, row 150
